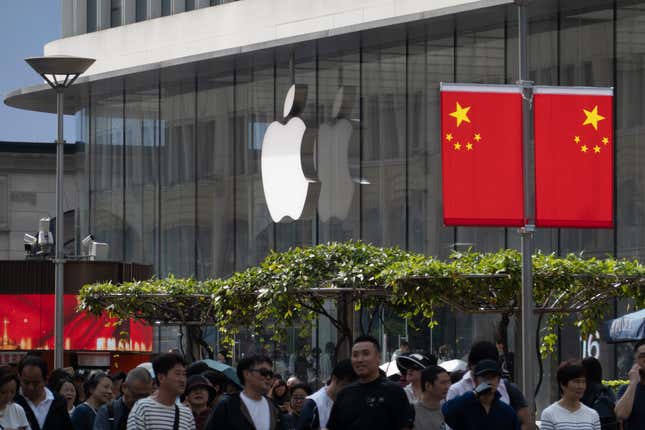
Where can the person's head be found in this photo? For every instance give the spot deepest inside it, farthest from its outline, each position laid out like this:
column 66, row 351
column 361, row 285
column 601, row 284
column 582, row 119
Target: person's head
column 255, row 373
column 404, row 346
column 639, row 356
column 435, row 382
column 482, row 350
column 137, row 385
column 170, row 371
column 293, row 380
column 412, row 364
column 64, row 386
column 9, row 384
column 222, row 355
column 199, row 392
column 197, row 368
column 342, row 375
column 593, row 370
column 279, row 389
column 117, row 381
column 571, row 379
column 98, row 387
column 33, row 373
column 487, row 371
column 299, row 393
column 366, row 357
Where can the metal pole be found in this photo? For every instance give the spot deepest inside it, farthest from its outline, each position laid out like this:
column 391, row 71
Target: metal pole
column 526, row 232
column 59, row 342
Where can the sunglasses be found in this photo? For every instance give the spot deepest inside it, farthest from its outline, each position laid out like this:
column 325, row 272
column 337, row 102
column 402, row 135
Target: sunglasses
column 263, row 372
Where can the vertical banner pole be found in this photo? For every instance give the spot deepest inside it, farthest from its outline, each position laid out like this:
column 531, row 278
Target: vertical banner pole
column 526, row 232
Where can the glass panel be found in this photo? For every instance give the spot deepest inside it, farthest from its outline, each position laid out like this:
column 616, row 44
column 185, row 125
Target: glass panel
column 630, row 130
column 383, row 127
column 177, row 152
column 142, row 169
column 91, row 15
column 165, row 7
column 141, row 10
column 115, row 13
column 215, row 171
column 254, row 111
column 106, row 199
column 587, row 58
column 338, row 147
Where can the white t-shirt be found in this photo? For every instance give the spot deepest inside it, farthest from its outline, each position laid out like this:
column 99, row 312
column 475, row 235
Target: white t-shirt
column 149, row 414
column 467, row 384
column 324, row 404
column 259, row 411
column 409, row 391
column 13, row 416
column 556, row 417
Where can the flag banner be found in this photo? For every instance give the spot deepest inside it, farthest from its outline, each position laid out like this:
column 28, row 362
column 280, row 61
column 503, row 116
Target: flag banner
column 574, row 157
column 481, row 154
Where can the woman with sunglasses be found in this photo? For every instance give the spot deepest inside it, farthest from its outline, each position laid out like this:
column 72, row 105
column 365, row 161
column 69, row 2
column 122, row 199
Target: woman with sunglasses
column 279, row 394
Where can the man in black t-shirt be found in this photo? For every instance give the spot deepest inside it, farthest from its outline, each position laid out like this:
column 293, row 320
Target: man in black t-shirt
column 373, row 402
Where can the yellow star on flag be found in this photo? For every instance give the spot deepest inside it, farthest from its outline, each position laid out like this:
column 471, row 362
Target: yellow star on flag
column 596, row 149
column 461, row 114
column 584, row 148
column 593, row 117
column 469, row 146
column 457, row 146
column 478, row 137
column 576, row 139
column 605, row 140
column 448, row 137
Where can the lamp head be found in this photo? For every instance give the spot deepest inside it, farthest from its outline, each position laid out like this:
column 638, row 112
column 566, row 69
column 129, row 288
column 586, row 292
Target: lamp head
column 60, row 71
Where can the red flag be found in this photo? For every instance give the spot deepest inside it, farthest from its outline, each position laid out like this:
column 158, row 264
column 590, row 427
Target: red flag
column 481, row 132
column 573, row 157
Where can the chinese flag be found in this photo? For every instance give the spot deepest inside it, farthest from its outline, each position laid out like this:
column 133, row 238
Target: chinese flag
column 481, row 153
column 573, row 157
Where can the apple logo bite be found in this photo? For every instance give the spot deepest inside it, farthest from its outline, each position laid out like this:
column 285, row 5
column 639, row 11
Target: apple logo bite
column 337, row 182
column 290, row 184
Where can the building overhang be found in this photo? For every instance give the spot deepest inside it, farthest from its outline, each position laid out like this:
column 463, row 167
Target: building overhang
column 153, row 45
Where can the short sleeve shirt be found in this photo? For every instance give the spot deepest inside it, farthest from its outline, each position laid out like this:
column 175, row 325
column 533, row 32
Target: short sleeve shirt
column 428, row 419
column 376, row 405
column 13, row 416
column 148, row 414
column 637, row 418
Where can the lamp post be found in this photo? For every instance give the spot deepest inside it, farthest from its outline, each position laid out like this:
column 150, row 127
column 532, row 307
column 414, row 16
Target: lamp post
column 60, row 72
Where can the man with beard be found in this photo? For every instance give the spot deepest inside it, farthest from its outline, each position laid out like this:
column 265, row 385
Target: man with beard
column 250, row 409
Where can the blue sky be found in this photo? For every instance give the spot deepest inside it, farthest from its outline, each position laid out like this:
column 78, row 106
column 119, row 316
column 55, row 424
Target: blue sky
column 25, row 27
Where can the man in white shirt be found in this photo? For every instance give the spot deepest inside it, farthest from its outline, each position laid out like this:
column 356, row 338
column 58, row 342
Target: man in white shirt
column 316, row 409
column 45, row 410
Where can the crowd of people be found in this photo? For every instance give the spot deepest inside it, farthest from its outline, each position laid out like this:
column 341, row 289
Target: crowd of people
column 175, row 395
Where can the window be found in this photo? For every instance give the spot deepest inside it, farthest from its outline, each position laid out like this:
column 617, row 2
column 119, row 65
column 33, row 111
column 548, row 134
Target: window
column 141, row 10
column 115, row 13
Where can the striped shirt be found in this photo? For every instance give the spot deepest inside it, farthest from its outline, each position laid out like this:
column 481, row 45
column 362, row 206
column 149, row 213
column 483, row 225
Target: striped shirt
column 555, row 417
column 148, row 414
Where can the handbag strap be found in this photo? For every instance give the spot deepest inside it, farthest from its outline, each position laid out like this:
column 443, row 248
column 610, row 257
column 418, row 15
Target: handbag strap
column 175, row 426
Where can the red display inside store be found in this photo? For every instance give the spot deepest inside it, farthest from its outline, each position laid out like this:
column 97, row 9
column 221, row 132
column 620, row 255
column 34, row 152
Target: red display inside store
column 27, row 323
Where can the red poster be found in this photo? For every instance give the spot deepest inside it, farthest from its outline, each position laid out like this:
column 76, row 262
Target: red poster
column 27, row 323
column 481, row 153
column 574, row 149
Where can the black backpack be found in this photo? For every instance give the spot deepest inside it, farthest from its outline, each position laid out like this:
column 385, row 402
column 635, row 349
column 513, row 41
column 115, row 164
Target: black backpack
column 604, row 404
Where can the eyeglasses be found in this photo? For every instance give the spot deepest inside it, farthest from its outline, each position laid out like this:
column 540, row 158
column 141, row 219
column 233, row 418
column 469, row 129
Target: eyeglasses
column 263, row 372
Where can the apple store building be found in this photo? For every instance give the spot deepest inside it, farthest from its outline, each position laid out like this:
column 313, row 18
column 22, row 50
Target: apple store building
column 178, row 139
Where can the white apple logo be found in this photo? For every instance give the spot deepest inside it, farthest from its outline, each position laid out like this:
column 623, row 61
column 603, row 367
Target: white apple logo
column 290, row 185
column 337, row 189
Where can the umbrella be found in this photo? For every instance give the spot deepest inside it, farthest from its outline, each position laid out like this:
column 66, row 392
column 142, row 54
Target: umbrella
column 227, row 370
column 628, row 328
column 455, row 365
column 390, row 368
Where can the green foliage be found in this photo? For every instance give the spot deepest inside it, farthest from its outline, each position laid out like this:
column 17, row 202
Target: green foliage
column 292, row 286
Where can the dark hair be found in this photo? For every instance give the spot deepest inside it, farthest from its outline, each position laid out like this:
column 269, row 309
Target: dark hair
column 92, row 382
column 33, row 360
column 404, row 343
column 248, row 362
column 593, row 369
column 224, row 352
column 57, row 380
column 8, row 374
column 197, row 368
column 367, row 338
column 482, row 350
column 638, row 345
column 344, row 371
column 120, row 376
column 568, row 370
column 430, row 374
column 217, row 379
column 163, row 363
column 301, row 386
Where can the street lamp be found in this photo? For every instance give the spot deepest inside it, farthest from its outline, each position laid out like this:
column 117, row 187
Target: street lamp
column 60, row 71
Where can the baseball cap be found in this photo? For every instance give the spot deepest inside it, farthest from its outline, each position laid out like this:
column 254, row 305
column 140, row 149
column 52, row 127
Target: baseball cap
column 413, row 360
column 487, row 366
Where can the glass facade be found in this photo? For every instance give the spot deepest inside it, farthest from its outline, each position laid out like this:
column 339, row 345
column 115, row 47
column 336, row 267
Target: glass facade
column 173, row 161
